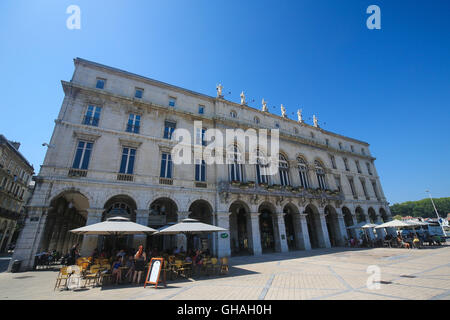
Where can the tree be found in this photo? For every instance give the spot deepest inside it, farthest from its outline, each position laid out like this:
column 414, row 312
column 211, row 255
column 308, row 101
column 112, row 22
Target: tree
column 422, row 208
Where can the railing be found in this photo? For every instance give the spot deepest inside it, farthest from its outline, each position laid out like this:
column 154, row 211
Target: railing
column 168, row 181
column 77, row 173
column 276, row 189
column 125, row 177
column 201, row 185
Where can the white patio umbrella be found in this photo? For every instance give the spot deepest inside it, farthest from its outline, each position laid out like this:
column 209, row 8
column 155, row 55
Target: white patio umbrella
column 190, row 226
column 114, row 226
column 393, row 224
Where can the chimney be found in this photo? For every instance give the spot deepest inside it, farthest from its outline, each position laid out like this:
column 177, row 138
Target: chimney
column 15, row 144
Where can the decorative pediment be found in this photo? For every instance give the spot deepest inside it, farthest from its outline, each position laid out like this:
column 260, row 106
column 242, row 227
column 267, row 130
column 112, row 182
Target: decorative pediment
column 130, row 143
column 82, row 135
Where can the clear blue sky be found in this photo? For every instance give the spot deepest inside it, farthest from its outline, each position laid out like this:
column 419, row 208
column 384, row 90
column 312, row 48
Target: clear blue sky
column 388, row 87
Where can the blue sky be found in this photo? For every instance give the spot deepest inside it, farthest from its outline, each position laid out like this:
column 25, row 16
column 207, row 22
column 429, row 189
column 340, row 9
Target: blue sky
column 388, row 87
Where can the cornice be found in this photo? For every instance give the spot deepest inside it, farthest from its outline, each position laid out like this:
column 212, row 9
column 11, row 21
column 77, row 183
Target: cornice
column 219, row 119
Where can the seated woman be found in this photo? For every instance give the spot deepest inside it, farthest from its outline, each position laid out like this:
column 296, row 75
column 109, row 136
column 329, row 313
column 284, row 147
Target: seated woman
column 402, row 243
column 116, row 271
column 130, row 266
column 416, row 242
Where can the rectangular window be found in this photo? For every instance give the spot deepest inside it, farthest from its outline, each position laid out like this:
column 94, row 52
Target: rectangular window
column 100, row 83
column 353, row 149
column 92, row 115
column 368, row 168
column 169, row 128
column 357, row 166
column 200, row 171
column 200, row 136
column 352, row 187
column 134, row 123
column 172, row 101
column 340, row 145
column 166, row 166
column 201, row 109
column 138, row 93
column 363, row 184
column 82, row 155
column 333, row 161
column 127, row 163
column 338, row 183
column 327, row 142
column 375, row 190
column 346, row 164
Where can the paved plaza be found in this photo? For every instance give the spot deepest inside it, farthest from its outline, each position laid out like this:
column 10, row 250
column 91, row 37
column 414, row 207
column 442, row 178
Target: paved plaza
column 338, row 273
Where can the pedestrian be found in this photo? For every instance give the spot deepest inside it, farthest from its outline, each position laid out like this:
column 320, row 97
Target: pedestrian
column 139, row 264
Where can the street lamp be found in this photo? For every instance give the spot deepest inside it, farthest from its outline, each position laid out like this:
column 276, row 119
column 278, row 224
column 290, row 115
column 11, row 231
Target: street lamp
column 45, row 144
column 437, row 214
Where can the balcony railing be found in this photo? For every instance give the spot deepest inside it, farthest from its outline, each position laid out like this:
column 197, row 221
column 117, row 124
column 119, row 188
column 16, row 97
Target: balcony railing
column 167, row 181
column 276, row 189
column 125, row 177
column 201, row 185
column 77, row 173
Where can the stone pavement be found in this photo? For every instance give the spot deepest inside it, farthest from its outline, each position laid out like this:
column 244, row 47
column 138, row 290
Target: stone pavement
column 338, row 273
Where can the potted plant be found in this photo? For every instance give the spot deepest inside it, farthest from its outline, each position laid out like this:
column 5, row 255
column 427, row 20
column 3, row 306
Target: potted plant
column 289, row 188
column 251, row 184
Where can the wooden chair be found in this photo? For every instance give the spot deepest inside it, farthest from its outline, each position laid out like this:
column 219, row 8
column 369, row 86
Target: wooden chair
column 62, row 276
column 224, row 265
column 92, row 275
column 215, row 266
column 167, row 269
column 180, row 269
column 105, row 276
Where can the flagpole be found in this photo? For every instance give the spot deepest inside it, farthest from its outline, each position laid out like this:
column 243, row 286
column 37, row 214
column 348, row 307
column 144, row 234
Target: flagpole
column 437, row 214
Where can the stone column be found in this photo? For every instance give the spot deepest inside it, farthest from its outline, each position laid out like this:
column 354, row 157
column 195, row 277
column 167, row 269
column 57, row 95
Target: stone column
column 255, row 234
column 30, row 238
column 11, row 233
column 381, row 233
column 181, row 239
column 5, row 232
column 370, row 231
column 304, row 236
column 280, row 233
column 223, row 243
column 341, row 227
column 90, row 242
column 354, row 231
column 142, row 219
column 324, row 239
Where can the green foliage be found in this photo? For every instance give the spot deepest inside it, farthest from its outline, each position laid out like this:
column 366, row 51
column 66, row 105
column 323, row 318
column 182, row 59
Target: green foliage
column 422, row 208
column 397, row 217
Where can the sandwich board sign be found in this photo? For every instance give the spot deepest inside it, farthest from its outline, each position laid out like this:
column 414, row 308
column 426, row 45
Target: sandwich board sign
column 154, row 272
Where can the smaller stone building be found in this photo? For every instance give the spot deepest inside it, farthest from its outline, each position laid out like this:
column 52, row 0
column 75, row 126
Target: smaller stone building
column 15, row 175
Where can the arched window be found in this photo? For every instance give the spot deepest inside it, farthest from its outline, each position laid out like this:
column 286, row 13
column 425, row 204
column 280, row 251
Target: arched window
column 235, row 164
column 262, row 166
column 303, row 172
column 256, row 120
column 233, row 114
column 320, row 172
column 283, row 168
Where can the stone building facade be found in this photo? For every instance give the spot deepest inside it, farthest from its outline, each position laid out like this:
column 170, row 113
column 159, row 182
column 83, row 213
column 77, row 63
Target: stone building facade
column 110, row 155
column 15, row 175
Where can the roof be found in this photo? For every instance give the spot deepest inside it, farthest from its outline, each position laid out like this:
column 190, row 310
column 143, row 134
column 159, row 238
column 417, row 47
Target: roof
column 167, row 85
column 8, row 143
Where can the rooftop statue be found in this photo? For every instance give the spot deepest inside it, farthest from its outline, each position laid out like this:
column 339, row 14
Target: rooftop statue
column 283, row 111
column 299, row 115
column 264, row 106
column 219, row 88
column 242, row 98
column 315, row 121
